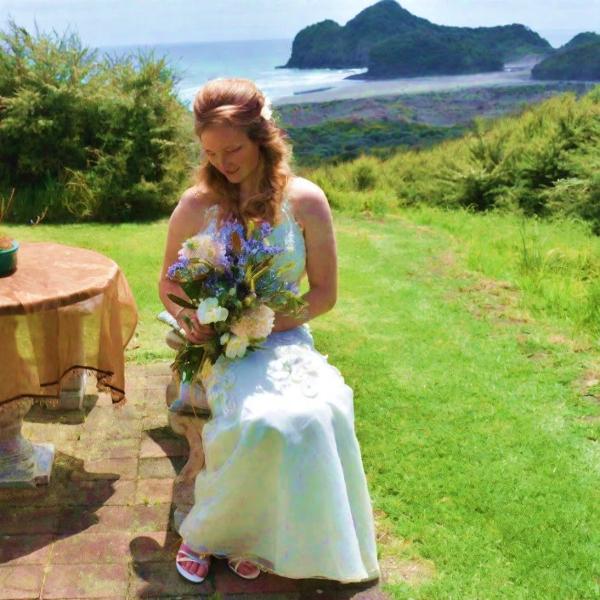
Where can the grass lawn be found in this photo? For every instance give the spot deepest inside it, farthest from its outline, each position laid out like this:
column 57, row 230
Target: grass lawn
column 477, row 396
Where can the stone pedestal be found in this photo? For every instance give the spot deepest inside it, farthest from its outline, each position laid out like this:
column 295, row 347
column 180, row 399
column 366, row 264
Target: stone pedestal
column 190, row 426
column 72, row 392
column 22, row 464
column 186, row 418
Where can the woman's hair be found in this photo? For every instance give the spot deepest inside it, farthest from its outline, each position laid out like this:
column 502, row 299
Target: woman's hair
column 239, row 103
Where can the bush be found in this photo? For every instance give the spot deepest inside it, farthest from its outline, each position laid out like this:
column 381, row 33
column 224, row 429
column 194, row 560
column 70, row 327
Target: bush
column 364, row 176
column 544, row 161
column 87, row 138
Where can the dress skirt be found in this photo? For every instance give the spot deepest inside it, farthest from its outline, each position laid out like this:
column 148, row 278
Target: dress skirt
column 284, row 484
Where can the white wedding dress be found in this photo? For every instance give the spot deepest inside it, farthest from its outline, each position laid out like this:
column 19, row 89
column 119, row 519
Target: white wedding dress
column 283, row 485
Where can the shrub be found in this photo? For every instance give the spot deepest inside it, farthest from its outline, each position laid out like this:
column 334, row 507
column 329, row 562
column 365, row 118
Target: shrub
column 84, row 137
column 364, row 176
column 544, row 161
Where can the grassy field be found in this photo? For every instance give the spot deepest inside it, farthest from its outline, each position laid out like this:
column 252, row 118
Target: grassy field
column 471, row 344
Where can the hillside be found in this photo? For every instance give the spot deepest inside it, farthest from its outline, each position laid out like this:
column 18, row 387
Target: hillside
column 581, row 39
column 392, row 42
column 543, row 161
column 344, row 129
column 578, row 60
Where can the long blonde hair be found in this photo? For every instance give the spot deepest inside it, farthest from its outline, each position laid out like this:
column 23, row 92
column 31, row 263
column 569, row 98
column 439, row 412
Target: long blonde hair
column 239, row 103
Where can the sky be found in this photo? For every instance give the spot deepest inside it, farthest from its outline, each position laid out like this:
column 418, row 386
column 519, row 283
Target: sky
column 136, row 22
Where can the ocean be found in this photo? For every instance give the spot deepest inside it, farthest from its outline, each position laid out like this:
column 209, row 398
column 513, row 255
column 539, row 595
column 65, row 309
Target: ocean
column 196, row 63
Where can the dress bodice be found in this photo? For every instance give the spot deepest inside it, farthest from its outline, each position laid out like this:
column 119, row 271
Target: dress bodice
column 287, row 234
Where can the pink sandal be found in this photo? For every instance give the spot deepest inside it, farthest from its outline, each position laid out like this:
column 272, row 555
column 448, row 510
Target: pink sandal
column 234, row 565
column 185, row 554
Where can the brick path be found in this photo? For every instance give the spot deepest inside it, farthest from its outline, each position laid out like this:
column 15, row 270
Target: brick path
column 103, row 528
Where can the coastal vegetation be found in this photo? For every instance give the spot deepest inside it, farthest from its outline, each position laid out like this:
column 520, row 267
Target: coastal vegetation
column 581, row 39
column 83, row 137
column 421, row 53
column 543, row 162
column 577, row 60
column 339, row 141
column 392, row 42
column 340, row 130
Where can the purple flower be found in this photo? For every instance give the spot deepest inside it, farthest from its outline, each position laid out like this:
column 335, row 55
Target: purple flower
column 178, row 268
column 292, row 286
column 259, row 249
column 265, row 229
column 226, row 233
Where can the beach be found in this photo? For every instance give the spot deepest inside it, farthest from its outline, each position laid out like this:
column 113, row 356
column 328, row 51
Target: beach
column 514, row 74
column 196, row 63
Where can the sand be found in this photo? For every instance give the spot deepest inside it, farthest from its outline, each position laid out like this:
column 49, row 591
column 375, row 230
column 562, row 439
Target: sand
column 518, row 73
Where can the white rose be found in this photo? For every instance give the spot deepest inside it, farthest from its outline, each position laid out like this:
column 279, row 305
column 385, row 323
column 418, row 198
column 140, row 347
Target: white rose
column 203, row 247
column 209, row 311
column 236, row 347
column 256, row 323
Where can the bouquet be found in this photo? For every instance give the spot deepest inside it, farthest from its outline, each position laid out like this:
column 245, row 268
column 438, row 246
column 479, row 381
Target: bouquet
column 233, row 285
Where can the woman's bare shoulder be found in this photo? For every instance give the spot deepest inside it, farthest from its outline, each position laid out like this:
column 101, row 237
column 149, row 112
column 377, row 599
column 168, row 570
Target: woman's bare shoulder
column 308, row 200
column 191, row 209
column 196, row 199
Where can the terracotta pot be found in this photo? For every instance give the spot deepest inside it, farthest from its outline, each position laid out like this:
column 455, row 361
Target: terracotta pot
column 8, row 259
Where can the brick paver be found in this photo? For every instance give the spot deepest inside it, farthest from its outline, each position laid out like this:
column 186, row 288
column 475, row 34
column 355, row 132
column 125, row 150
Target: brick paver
column 103, row 527
column 20, row 581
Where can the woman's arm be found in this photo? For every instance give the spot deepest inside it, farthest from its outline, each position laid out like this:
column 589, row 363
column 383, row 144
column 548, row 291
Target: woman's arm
column 313, row 212
column 187, row 219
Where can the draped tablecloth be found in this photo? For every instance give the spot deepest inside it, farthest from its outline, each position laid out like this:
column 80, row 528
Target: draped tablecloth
column 64, row 308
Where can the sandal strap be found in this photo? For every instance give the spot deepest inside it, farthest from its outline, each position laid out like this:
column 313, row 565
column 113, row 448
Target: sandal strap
column 184, row 556
column 235, row 563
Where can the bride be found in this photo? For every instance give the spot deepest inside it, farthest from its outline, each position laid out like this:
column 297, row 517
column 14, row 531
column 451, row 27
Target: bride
column 283, row 489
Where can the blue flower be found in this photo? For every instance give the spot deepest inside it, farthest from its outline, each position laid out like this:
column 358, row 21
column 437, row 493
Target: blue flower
column 265, row 229
column 291, row 286
column 226, row 233
column 178, row 268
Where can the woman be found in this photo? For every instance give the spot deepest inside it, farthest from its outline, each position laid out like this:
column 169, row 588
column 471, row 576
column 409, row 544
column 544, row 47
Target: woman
column 283, row 488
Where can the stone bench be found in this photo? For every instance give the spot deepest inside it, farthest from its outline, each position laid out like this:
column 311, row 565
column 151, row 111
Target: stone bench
column 186, row 418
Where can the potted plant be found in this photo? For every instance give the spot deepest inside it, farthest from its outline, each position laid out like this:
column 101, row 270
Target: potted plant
column 8, row 246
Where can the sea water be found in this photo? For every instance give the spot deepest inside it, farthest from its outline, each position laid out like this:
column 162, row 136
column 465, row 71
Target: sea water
column 197, row 63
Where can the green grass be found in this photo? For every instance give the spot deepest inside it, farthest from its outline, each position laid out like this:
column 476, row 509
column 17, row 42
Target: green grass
column 479, row 435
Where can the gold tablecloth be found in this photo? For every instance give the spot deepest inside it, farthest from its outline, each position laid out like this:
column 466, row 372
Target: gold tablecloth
column 64, row 308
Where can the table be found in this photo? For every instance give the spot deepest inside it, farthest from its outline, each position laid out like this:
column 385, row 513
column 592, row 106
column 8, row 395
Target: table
column 64, row 310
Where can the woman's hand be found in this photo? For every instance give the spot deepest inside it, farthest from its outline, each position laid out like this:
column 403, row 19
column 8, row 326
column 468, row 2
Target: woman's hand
column 194, row 331
column 283, row 322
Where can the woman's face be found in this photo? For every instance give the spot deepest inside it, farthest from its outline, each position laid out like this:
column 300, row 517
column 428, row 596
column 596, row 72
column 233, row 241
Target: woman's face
column 230, row 151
